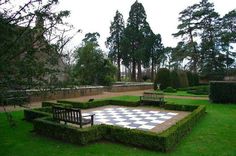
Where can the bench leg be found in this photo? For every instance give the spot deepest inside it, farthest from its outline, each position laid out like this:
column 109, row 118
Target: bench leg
column 92, row 120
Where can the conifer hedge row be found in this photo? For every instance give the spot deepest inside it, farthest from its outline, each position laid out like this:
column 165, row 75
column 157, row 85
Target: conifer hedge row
column 222, row 92
column 175, row 79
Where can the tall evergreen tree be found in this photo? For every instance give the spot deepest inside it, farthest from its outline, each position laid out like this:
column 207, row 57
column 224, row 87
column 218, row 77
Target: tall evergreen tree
column 134, row 38
column 188, row 29
column 228, row 36
column 211, row 58
column 114, row 41
column 155, row 50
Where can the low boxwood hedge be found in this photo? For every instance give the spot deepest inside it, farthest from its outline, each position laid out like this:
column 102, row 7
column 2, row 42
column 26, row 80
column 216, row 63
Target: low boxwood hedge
column 85, row 105
column 49, row 104
column 99, row 103
column 175, row 133
column 180, row 107
column 170, row 90
column 31, row 114
column 82, row 136
column 222, row 92
column 164, row 141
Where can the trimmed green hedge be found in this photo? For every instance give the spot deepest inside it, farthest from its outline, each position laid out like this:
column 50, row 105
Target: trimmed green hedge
column 170, row 90
column 85, row 105
column 31, row 114
column 175, row 133
column 49, row 104
column 99, row 103
column 124, row 103
column 165, row 141
column 162, row 78
column 45, row 126
column 199, row 90
column 222, row 92
column 180, row 107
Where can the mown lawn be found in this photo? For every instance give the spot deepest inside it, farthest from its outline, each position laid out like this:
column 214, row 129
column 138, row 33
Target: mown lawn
column 214, row 135
column 182, row 93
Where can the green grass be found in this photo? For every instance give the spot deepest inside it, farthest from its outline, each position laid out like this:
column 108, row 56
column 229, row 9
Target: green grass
column 126, row 98
column 182, row 93
column 214, row 135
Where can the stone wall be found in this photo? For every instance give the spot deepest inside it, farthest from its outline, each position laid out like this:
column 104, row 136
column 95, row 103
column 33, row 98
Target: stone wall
column 129, row 87
column 36, row 95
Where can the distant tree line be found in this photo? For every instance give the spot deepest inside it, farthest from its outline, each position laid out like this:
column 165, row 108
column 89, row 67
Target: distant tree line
column 205, row 45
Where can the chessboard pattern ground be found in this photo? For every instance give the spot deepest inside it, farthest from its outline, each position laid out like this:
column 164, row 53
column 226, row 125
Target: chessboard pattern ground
column 131, row 118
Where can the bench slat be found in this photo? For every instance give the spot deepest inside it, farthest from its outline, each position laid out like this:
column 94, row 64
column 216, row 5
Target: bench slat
column 70, row 115
column 152, row 97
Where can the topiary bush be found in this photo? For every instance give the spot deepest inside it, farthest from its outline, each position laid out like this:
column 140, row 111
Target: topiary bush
column 222, row 92
column 170, row 90
column 163, row 78
column 31, row 114
column 183, row 79
column 193, row 79
column 175, row 82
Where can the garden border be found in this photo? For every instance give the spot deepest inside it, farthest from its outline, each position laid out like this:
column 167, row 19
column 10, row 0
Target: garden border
column 164, row 141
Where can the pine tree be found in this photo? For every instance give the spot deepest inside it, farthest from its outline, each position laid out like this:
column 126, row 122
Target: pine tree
column 212, row 59
column 155, row 49
column 134, row 38
column 188, row 29
column 114, row 41
column 228, row 36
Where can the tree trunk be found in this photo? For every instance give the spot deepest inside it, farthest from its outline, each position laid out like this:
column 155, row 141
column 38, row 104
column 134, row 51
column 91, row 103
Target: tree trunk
column 152, row 71
column 139, row 72
column 133, row 74
column 118, row 61
column 195, row 59
column 118, row 72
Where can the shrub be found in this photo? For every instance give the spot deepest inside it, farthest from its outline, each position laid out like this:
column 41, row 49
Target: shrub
column 49, row 128
column 175, row 82
column 183, row 79
column 163, row 78
column 182, row 89
column 180, row 107
column 193, row 79
column 199, row 90
column 170, row 90
column 190, row 78
column 222, row 92
column 31, row 114
column 99, row 103
column 50, row 104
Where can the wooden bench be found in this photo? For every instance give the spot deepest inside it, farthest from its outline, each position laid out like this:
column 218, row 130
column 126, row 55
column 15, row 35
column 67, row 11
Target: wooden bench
column 152, row 97
column 71, row 115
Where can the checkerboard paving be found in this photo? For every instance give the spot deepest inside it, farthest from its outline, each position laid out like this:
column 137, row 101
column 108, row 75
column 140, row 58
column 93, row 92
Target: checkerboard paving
column 131, row 118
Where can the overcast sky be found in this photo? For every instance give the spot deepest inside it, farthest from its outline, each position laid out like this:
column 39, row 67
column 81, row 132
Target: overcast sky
column 162, row 15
